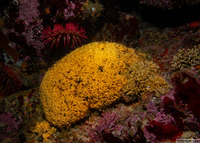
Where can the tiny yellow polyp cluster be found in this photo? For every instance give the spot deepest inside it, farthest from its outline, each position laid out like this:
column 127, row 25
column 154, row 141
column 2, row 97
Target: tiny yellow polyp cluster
column 90, row 77
column 44, row 129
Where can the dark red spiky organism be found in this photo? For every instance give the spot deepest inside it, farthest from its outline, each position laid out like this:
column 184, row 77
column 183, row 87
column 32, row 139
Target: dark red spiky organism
column 70, row 34
column 9, row 81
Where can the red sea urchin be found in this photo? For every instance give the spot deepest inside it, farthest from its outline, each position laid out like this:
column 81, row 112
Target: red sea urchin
column 71, row 33
column 10, row 82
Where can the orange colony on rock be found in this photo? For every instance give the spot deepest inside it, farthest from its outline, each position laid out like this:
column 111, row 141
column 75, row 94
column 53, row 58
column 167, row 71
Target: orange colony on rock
column 95, row 76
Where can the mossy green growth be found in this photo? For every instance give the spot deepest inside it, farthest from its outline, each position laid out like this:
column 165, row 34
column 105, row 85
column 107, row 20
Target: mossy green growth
column 91, row 77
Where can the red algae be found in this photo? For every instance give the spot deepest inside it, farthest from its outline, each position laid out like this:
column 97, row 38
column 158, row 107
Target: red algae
column 164, row 131
column 188, row 93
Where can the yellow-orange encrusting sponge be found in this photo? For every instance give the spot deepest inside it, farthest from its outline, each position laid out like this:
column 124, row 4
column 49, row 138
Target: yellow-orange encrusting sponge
column 90, row 77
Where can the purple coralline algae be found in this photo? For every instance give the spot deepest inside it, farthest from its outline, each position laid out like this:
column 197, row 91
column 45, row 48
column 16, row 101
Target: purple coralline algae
column 28, row 11
column 29, row 14
column 9, row 126
column 106, row 124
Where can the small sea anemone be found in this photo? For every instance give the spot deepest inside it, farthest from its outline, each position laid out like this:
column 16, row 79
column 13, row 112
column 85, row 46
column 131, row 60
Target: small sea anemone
column 70, row 33
column 10, row 82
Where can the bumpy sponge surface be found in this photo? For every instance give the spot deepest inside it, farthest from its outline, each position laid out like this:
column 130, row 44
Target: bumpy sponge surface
column 90, row 77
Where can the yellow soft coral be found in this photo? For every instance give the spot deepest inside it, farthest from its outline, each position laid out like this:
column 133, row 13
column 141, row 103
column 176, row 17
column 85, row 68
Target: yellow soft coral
column 91, row 77
column 44, row 129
